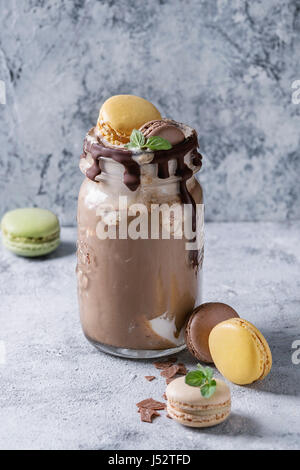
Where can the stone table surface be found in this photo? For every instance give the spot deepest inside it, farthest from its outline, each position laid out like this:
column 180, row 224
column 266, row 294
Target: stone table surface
column 57, row 391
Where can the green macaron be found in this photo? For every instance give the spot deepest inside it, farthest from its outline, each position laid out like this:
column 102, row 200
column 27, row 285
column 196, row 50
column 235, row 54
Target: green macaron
column 30, row 232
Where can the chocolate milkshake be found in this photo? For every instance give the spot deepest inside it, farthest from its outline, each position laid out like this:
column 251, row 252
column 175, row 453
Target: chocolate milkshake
column 136, row 289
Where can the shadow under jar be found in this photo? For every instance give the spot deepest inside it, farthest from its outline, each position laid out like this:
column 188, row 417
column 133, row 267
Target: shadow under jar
column 136, row 293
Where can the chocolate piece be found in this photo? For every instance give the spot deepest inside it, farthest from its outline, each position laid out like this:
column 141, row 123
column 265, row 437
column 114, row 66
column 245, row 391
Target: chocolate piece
column 164, row 396
column 170, row 371
column 147, row 414
column 151, row 404
column 149, row 377
column 165, row 128
column 202, row 320
column 165, row 364
column 182, row 369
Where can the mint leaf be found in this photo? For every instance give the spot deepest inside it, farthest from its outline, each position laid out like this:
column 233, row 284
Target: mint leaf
column 209, row 373
column 202, row 378
column 195, row 378
column 208, row 389
column 158, row 143
column 137, row 139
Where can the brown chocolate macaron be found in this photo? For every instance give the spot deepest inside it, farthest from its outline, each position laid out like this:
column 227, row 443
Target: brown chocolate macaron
column 165, row 128
column 202, row 320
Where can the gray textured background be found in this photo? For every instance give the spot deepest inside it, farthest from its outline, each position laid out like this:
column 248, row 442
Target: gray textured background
column 225, row 67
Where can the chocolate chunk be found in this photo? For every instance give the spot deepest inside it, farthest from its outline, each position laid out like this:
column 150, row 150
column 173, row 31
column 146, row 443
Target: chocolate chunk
column 182, row 369
column 170, row 371
column 151, row 404
column 165, row 364
column 164, row 396
column 147, row 414
column 168, row 416
column 149, row 377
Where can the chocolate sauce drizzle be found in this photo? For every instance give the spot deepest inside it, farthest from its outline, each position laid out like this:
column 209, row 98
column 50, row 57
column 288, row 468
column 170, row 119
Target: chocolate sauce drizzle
column 132, row 171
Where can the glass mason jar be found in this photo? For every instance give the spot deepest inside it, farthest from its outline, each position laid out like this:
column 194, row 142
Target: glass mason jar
column 135, row 291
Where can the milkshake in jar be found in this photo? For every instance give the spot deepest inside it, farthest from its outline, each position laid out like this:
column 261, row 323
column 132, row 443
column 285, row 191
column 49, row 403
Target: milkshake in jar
column 138, row 268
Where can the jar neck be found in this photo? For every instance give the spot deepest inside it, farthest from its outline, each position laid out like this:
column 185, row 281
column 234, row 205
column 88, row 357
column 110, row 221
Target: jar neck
column 112, row 174
column 111, row 170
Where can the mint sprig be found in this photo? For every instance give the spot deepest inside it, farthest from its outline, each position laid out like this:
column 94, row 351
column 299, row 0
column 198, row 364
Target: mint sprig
column 158, row 143
column 138, row 141
column 202, row 378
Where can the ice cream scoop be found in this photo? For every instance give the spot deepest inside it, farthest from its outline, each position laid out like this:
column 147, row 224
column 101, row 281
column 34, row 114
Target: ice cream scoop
column 165, row 128
column 120, row 114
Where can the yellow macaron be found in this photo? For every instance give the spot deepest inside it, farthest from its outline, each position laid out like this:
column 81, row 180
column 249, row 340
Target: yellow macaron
column 187, row 406
column 240, row 352
column 120, row 114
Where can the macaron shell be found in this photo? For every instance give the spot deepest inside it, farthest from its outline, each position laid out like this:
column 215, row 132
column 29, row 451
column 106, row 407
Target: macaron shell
column 266, row 348
column 163, row 128
column 201, row 421
column 187, row 406
column 30, row 222
column 30, row 250
column 203, row 319
column 190, row 397
column 238, row 352
column 123, row 113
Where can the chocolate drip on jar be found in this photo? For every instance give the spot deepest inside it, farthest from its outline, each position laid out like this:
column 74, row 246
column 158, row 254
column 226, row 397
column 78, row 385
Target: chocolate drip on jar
column 178, row 152
column 132, row 171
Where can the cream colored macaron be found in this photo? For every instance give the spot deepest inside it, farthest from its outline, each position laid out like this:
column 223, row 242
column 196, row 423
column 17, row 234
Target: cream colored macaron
column 187, row 406
column 240, row 352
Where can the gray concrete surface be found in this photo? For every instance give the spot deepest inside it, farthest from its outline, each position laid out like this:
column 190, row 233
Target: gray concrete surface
column 58, row 392
column 225, row 67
